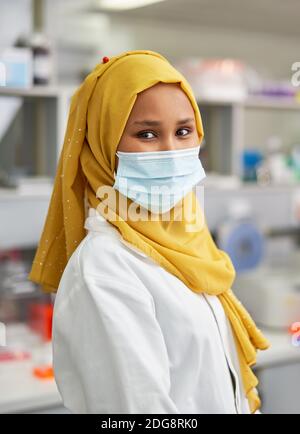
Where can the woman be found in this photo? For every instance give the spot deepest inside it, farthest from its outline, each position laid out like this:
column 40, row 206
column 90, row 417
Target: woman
column 145, row 320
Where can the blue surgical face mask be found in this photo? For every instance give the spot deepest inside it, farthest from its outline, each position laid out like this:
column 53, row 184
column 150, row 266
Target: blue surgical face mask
column 158, row 180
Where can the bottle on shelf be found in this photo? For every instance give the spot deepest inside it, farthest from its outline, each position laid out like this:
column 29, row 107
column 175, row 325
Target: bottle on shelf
column 42, row 56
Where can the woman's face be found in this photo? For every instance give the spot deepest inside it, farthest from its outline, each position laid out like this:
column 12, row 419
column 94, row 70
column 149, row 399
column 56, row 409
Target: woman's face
column 162, row 119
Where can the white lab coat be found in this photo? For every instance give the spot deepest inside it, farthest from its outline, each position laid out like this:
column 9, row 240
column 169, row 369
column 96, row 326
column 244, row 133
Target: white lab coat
column 129, row 337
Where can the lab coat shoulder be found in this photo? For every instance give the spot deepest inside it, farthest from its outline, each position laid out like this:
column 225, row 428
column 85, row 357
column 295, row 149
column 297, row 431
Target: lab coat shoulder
column 109, row 353
column 103, row 258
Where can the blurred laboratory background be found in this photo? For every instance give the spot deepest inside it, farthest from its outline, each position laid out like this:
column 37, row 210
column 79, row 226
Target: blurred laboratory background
column 243, row 61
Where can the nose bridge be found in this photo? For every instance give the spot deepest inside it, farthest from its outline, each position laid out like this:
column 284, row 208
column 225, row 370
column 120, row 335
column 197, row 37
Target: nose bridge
column 168, row 143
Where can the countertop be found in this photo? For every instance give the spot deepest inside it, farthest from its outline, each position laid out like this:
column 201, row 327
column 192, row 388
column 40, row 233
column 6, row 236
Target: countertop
column 22, row 392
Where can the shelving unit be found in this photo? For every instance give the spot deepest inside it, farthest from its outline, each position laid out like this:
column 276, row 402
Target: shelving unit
column 37, row 131
column 45, row 111
column 224, row 124
column 229, row 126
column 35, row 139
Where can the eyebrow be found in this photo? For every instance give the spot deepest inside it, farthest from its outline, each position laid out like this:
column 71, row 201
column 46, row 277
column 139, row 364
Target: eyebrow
column 155, row 123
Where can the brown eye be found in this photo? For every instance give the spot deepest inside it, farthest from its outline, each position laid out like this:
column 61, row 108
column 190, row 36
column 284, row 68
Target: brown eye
column 184, row 129
column 142, row 134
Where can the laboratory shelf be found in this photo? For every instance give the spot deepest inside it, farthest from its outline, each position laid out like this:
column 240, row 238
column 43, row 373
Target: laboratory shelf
column 281, row 103
column 22, row 218
column 37, row 91
column 271, row 103
column 230, row 127
column 35, row 127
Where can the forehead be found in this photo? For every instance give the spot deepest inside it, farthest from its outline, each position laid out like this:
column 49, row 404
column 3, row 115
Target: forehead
column 162, row 97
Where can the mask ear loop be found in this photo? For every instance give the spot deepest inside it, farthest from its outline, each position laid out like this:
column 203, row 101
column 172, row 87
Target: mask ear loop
column 115, row 171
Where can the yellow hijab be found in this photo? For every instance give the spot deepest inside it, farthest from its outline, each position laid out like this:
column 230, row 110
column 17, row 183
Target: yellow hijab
column 98, row 114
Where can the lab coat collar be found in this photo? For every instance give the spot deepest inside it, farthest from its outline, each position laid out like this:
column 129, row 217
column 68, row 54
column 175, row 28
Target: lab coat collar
column 95, row 222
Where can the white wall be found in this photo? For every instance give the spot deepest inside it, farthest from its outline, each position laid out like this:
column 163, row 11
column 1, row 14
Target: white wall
column 272, row 55
column 82, row 38
column 15, row 18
